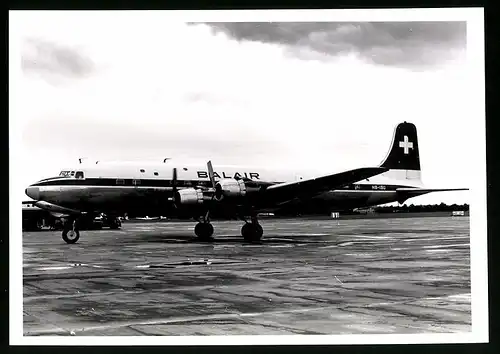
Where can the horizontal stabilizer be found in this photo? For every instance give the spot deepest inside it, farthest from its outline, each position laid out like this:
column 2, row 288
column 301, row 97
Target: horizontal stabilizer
column 429, row 190
column 406, row 193
column 310, row 187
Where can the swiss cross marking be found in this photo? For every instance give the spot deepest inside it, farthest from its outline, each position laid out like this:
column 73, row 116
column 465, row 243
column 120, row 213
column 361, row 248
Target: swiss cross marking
column 406, row 145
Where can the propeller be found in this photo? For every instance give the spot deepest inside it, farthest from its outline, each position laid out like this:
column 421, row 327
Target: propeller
column 174, row 186
column 212, row 179
column 211, row 173
column 216, row 192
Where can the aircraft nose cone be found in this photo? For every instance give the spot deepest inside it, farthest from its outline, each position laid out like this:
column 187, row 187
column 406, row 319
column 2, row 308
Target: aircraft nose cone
column 33, row 192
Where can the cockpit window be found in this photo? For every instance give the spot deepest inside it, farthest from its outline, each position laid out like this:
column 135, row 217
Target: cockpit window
column 76, row 174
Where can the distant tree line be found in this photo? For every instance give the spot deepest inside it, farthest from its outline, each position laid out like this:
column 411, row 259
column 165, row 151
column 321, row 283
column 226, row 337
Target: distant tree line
column 421, row 208
column 325, row 210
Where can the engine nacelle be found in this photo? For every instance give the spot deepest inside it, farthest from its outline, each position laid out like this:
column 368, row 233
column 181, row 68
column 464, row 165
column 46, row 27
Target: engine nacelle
column 230, row 188
column 189, row 196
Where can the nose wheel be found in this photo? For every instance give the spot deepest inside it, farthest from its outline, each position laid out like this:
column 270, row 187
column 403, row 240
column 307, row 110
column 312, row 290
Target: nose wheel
column 71, row 233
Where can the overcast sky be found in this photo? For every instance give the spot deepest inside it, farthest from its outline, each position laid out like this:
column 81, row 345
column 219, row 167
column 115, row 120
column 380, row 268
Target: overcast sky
column 328, row 95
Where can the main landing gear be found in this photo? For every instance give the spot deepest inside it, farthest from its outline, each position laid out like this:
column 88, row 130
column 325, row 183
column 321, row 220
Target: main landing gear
column 204, row 229
column 251, row 231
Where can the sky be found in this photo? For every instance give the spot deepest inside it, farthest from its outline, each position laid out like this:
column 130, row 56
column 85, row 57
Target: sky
column 302, row 94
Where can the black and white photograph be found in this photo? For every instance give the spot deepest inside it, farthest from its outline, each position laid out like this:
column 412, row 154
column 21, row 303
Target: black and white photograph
column 247, row 177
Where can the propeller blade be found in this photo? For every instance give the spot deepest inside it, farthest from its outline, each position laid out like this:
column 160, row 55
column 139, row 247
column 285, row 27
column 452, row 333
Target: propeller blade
column 211, row 173
column 174, row 185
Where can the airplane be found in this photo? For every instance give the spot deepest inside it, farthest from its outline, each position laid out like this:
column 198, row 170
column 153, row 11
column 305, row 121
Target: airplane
column 177, row 188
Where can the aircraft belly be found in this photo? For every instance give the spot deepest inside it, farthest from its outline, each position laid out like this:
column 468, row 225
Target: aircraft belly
column 102, row 197
column 382, row 197
column 137, row 196
column 356, row 199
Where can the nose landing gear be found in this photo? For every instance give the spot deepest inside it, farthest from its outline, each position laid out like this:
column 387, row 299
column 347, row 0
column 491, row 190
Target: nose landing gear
column 71, row 232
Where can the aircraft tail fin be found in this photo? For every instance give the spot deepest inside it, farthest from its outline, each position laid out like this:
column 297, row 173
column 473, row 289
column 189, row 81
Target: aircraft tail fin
column 403, row 153
column 403, row 158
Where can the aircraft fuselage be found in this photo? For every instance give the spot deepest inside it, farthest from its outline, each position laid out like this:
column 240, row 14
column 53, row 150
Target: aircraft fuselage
column 147, row 189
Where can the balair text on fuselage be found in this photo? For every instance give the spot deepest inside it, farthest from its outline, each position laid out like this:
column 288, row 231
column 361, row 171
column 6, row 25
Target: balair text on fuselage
column 250, row 175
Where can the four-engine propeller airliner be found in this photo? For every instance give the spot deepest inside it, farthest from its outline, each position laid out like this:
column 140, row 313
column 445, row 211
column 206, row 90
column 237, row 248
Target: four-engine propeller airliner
column 173, row 187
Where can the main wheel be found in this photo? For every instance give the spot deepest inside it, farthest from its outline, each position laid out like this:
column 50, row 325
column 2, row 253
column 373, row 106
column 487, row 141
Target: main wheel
column 70, row 236
column 252, row 232
column 204, row 231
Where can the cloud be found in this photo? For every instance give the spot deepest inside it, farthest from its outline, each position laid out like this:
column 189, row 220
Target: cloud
column 54, row 61
column 408, row 44
column 131, row 140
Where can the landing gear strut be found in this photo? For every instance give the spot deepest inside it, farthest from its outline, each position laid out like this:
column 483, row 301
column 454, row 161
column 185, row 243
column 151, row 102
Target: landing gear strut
column 71, row 231
column 252, row 231
column 204, row 229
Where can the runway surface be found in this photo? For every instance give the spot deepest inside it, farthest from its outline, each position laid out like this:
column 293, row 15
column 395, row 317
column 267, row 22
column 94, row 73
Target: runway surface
column 305, row 277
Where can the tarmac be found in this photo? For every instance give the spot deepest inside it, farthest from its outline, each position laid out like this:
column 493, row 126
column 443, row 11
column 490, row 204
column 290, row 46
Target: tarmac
column 305, row 277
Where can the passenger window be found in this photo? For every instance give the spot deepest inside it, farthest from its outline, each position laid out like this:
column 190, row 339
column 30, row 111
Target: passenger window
column 120, row 181
column 142, row 171
column 79, row 174
column 156, row 173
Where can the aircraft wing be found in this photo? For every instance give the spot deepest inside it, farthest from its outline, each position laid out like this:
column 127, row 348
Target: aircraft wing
column 58, row 215
column 284, row 192
column 53, row 208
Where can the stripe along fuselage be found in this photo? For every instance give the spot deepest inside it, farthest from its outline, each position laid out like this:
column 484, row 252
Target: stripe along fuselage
column 146, row 188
